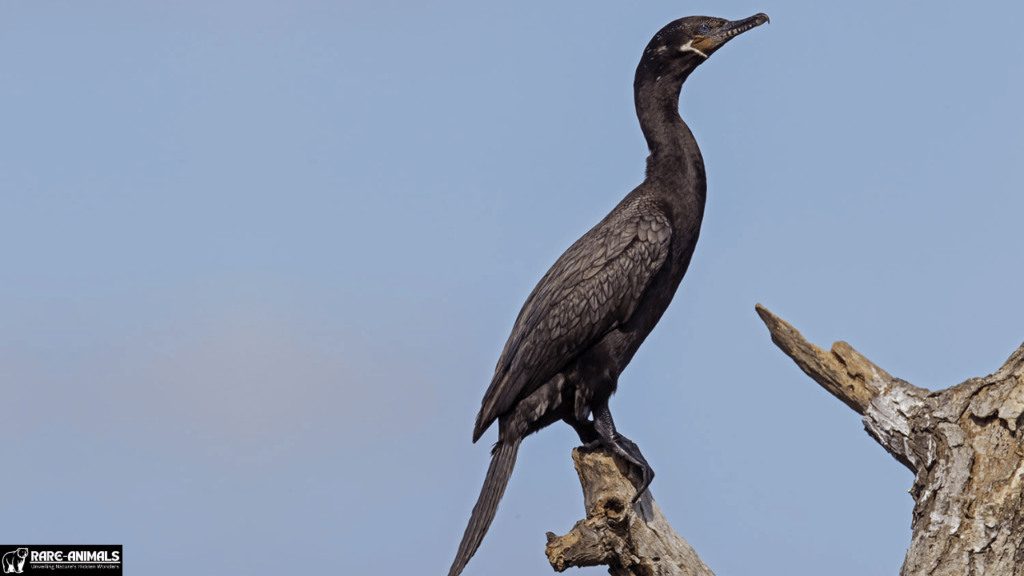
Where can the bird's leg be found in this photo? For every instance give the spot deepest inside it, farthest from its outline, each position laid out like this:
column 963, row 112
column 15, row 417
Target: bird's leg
column 619, row 444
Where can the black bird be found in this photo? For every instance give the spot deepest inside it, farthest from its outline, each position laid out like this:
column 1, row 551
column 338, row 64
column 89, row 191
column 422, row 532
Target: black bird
column 589, row 314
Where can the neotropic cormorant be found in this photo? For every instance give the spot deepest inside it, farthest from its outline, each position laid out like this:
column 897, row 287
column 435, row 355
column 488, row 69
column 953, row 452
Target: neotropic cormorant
column 589, row 314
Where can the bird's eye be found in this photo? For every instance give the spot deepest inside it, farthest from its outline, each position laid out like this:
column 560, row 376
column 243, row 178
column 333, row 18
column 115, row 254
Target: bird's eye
column 704, row 29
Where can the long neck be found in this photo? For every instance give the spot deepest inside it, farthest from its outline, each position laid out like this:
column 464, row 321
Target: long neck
column 669, row 139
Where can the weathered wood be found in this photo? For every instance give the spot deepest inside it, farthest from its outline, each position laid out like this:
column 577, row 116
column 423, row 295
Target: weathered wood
column 631, row 539
column 964, row 445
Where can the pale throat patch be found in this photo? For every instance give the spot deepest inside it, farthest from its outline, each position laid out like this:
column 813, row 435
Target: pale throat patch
column 688, row 47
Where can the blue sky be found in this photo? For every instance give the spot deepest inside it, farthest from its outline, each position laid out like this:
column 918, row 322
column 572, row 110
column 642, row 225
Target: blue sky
column 259, row 260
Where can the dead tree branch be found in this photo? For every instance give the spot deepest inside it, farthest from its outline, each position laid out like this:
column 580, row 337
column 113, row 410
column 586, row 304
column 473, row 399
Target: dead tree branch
column 631, row 539
column 964, row 445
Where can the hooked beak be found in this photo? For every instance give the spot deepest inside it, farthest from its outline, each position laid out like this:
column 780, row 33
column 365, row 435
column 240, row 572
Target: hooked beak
column 719, row 37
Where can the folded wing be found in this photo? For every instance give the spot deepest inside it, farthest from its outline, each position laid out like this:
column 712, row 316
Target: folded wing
column 591, row 289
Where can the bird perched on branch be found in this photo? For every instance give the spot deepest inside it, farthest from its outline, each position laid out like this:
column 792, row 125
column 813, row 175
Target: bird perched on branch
column 589, row 314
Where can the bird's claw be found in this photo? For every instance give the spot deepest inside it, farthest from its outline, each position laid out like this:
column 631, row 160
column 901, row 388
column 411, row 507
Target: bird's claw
column 648, row 477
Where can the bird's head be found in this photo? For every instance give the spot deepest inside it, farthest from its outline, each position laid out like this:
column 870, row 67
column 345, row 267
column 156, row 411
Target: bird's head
column 686, row 43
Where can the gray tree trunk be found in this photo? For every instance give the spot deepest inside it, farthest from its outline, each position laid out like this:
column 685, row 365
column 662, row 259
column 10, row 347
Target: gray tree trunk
column 963, row 444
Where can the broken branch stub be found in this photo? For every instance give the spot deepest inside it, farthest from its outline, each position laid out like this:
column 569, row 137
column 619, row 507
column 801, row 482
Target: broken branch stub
column 964, row 444
column 631, row 539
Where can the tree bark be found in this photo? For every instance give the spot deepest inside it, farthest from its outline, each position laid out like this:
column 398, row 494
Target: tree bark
column 631, row 539
column 964, row 445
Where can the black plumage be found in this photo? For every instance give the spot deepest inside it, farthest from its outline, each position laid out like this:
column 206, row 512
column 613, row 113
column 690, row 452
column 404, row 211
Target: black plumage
column 590, row 313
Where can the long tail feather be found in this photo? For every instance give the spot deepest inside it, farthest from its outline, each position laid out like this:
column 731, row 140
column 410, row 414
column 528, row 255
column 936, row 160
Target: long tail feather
column 502, row 463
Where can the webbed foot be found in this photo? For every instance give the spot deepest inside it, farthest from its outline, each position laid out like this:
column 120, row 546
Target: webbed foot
column 610, row 438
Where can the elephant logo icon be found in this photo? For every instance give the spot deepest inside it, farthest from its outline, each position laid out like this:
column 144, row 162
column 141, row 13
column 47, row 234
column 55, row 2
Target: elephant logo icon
column 14, row 561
